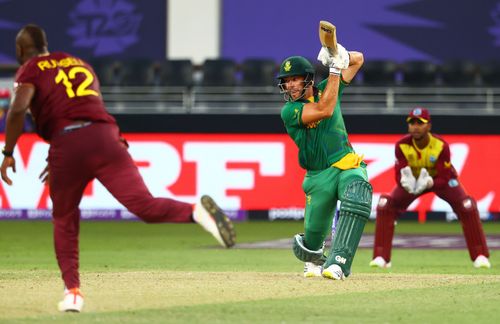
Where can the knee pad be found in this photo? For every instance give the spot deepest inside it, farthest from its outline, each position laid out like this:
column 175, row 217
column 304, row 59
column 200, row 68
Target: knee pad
column 469, row 203
column 304, row 254
column 384, row 202
column 385, row 205
column 357, row 199
column 467, row 208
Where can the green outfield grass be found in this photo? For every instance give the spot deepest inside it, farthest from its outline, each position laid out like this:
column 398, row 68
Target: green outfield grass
column 175, row 273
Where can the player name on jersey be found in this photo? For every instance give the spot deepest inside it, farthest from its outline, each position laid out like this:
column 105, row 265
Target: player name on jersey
column 63, row 63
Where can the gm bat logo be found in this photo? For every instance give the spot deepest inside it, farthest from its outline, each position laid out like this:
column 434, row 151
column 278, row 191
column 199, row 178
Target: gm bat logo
column 326, row 30
column 340, row 259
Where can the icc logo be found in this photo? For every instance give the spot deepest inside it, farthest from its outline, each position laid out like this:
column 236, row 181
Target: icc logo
column 107, row 27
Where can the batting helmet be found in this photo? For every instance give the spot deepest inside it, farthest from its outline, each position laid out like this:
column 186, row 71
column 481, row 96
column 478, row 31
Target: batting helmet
column 295, row 65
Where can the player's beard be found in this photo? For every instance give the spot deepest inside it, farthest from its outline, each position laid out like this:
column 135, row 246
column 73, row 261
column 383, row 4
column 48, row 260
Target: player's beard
column 300, row 93
column 418, row 135
column 297, row 94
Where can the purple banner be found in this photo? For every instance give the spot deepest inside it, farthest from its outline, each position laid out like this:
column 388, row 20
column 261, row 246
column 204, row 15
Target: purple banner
column 89, row 28
column 398, row 30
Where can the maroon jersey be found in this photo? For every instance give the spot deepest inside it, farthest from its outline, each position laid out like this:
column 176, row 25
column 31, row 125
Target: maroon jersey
column 435, row 157
column 66, row 89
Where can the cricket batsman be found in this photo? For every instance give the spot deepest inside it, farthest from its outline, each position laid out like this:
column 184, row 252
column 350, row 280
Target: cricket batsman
column 313, row 118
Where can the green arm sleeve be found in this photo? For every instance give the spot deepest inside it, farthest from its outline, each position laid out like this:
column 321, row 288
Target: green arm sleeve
column 291, row 114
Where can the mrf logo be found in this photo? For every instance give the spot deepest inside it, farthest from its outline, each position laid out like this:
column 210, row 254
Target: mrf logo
column 340, row 259
column 106, row 26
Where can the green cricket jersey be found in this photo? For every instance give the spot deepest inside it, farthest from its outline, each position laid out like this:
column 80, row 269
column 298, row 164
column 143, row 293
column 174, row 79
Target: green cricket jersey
column 321, row 143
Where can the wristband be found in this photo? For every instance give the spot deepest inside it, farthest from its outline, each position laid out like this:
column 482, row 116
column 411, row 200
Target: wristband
column 7, row 153
column 334, row 70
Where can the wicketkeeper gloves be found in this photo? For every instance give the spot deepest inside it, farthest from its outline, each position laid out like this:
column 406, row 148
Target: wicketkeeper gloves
column 424, row 182
column 415, row 186
column 408, row 181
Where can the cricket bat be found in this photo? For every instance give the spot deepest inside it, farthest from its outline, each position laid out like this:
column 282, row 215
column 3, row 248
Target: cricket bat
column 328, row 36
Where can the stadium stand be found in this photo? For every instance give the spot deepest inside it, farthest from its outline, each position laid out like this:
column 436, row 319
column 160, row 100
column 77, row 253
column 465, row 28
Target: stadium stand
column 419, row 73
column 258, row 73
column 7, row 70
column 490, row 73
column 223, row 86
column 139, row 72
column 219, row 73
column 177, row 73
column 459, row 73
column 109, row 71
column 379, row 73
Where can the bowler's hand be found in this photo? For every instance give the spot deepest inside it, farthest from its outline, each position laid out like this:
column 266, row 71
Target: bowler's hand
column 44, row 176
column 8, row 162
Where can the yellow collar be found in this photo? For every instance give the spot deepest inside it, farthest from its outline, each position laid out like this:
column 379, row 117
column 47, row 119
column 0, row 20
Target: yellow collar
column 421, row 149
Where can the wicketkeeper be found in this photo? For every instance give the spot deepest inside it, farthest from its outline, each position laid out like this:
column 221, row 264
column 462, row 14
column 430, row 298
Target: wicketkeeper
column 423, row 165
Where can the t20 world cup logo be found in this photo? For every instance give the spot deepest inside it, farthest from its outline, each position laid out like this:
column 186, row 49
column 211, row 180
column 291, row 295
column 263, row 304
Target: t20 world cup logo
column 106, row 26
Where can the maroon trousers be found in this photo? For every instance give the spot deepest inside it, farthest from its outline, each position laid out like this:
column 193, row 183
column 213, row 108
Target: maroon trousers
column 391, row 206
column 76, row 158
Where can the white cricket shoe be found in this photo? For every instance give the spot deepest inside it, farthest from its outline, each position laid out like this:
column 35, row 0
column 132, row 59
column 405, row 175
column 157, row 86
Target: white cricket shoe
column 213, row 220
column 312, row 270
column 72, row 301
column 482, row 262
column 334, row 272
column 379, row 262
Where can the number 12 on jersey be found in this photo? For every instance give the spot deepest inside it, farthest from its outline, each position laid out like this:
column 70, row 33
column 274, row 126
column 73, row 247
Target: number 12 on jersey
column 82, row 89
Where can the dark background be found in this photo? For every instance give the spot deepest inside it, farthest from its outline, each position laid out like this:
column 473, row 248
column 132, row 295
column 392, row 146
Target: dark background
column 254, row 124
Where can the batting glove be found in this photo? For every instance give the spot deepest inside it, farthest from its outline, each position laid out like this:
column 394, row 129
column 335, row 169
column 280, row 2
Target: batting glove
column 324, row 56
column 342, row 57
column 336, row 63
